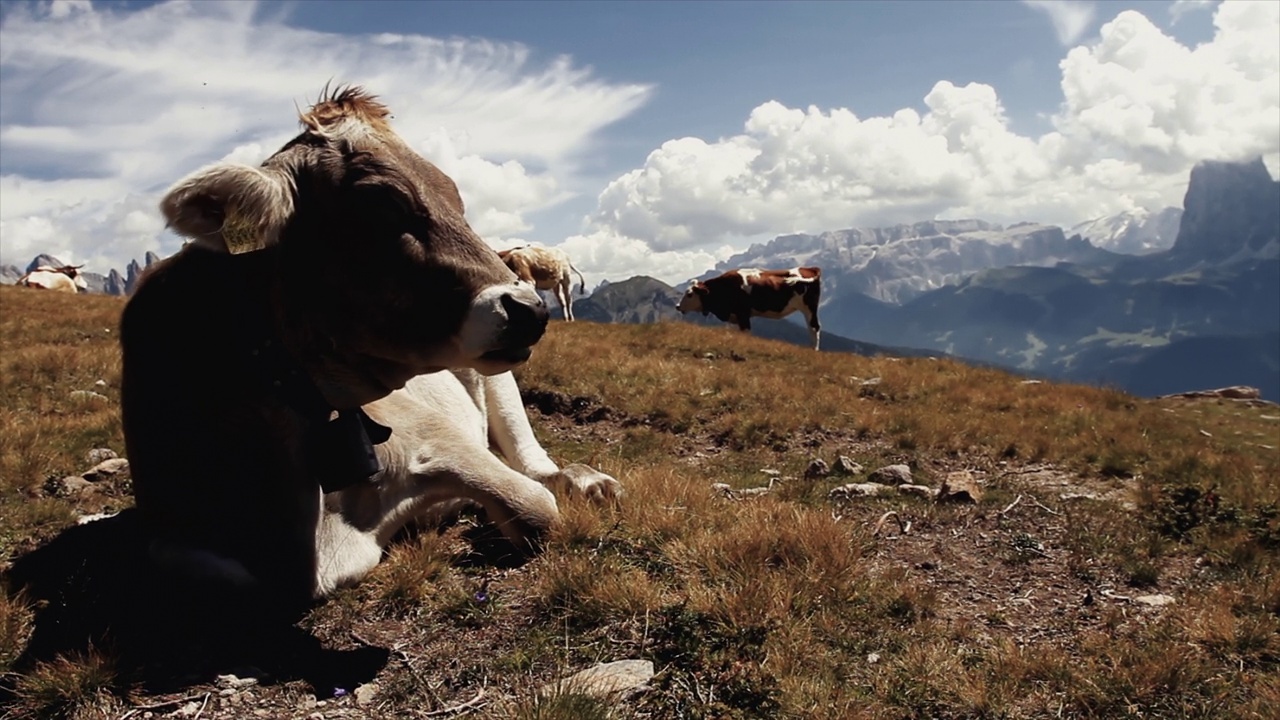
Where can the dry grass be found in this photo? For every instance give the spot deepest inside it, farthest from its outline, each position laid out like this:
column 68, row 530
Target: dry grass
column 781, row 606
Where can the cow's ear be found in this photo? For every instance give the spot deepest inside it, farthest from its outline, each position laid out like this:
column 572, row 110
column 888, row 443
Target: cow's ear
column 229, row 207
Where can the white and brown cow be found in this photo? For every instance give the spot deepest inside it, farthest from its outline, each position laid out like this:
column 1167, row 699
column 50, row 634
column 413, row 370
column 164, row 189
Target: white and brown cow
column 739, row 295
column 327, row 361
column 548, row 269
column 67, row 278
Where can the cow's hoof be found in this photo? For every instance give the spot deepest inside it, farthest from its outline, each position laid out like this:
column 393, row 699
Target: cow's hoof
column 590, row 483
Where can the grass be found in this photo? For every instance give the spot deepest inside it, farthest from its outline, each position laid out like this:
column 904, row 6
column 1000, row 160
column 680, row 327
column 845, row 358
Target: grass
column 775, row 606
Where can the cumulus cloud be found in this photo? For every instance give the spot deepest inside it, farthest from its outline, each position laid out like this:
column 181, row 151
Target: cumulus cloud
column 1070, row 18
column 1139, row 109
column 100, row 109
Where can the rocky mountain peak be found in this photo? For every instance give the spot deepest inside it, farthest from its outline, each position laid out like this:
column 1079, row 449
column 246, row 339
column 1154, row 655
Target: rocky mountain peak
column 1231, row 211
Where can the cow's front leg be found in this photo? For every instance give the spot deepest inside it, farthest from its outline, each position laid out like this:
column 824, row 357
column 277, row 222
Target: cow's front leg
column 510, row 430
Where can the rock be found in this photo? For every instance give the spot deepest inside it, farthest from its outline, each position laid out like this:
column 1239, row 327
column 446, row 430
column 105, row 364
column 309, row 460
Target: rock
column 1030, row 382
column 851, row 490
column 188, row 710
column 73, row 485
column 97, row 455
column 771, row 472
column 107, row 468
column 366, row 693
column 845, row 466
column 960, row 487
column 100, row 383
column 891, row 475
column 923, row 491
column 233, row 682
column 83, row 519
column 1154, row 600
column 873, row 658
column 1234, row 392
column 87, row 395
column 607, row 680
column 872, row 382
column 817, row 469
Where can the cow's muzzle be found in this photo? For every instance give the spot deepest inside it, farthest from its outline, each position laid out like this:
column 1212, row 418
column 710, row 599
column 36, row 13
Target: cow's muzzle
column 504, row 324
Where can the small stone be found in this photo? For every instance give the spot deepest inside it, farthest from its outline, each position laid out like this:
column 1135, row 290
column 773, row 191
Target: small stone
column 234, row 682
column 366, row 693
column 619, row 678
column 817, row 469
column 856, row 490
column 107, row 468
column 100, row 383
column 97, row 455
column 845, row 466
column 87, row 395
column 873, row 658
column 891, row 475
column 923, row 491
column 960, row 487
column 73, row 485
column 771, row 472
column 1158, row 600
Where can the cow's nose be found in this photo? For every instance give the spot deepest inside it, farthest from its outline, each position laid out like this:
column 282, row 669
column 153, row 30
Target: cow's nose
column 526, row 321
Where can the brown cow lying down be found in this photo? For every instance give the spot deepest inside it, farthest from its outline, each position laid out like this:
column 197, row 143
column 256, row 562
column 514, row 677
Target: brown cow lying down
column 547, row 269
column 739, row 295
column 62, row 279
column 326, row 362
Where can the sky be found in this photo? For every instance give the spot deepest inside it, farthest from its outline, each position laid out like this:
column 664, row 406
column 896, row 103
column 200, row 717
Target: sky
column 648, row 137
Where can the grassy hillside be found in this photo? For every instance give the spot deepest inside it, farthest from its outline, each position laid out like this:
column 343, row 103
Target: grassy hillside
column 781, row 605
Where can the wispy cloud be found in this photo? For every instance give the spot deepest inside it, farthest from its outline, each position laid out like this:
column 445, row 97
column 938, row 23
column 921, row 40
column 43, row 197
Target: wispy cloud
column 1180, row 8
column 1071, row 18
column 100, row 109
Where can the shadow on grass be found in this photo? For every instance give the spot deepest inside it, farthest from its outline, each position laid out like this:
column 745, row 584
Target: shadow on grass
column 93, row 589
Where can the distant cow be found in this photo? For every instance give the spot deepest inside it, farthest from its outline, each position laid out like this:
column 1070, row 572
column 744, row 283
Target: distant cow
column 547, row 269
column 63, row 279
column 739, row 295
column 327, row 361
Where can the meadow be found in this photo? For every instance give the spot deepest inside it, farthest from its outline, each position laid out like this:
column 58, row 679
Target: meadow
column 1032, row 602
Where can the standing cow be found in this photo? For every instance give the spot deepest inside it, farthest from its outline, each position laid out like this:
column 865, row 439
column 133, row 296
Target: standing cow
column 67, row 278
column 739, row 295
column 547, row 269
column 327, row 361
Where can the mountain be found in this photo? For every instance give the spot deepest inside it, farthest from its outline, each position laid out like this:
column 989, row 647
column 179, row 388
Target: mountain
column 1129, row 320
column 898, row 263
column 1136, row 232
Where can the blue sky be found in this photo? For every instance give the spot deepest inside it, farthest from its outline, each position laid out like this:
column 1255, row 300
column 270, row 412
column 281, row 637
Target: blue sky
column 645, row 136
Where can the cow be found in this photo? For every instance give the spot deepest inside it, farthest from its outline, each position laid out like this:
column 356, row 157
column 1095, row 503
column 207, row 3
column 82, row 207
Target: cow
column 547, row 269
column 67, row 278
column 739, row 295
column 325, row 362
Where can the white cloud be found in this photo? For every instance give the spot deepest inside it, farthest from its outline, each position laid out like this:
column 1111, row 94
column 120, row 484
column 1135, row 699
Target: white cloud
column 1139, row 109
column 1180, row 8
column 101, row 109
column 1070, row 18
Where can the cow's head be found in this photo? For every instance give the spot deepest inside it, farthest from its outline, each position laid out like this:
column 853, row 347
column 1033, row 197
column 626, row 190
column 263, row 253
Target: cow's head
column 73, row 272
column 692, row 300
column 377, row 275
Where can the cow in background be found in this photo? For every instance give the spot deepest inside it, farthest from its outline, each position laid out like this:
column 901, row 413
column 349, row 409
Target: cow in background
column 547, row 269
column 63, row 279
column 739, row 295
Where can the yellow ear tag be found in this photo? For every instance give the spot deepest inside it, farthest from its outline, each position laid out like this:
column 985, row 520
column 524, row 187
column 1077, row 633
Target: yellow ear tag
column 240, row 235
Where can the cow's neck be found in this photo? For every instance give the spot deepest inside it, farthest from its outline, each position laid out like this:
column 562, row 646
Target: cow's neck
column 340, row 441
